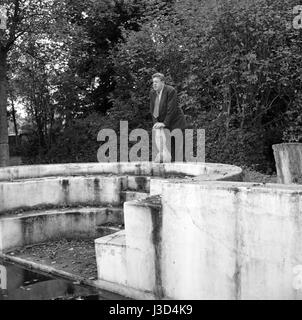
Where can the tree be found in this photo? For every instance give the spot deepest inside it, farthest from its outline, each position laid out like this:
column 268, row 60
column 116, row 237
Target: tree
column 103, row 22
column 4, row 152
column 236, row 65
column 25, row 17
column 64, row 71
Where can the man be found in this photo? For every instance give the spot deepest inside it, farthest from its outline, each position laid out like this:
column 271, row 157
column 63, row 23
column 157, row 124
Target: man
column 164, row 109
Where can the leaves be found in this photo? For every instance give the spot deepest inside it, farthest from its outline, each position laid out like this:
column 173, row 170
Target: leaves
column 235, row 57
column 236, row 66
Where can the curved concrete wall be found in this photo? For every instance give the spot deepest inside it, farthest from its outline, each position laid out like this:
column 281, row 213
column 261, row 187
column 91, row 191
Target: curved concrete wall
column 39, row 226
column 198, row 170
column 60, row 191
column 217, row 240
column 92, row 183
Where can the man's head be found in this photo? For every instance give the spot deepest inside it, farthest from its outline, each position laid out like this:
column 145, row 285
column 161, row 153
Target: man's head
column 158, row 81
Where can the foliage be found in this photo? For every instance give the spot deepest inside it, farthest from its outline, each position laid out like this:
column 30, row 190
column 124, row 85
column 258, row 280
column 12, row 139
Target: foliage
column 62, row 70
column 293, row 131
column 236, row 65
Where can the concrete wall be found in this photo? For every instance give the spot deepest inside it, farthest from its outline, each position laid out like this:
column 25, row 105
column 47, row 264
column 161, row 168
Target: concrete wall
column 39, row 226
column 60, row 191
column 211, row 240
column 143, row 231
column 94, row 183
column 231, row 241
column 288, row 159
column 142, row 257
column 221, row 171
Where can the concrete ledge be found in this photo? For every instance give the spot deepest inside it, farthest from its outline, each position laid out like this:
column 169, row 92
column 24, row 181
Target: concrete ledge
column 111, row 258
column 113, row 267
column 35, row 227
column 120, row 264
column 143, row 221
column 40, row 185
column 125, row 291
column 121, row 168
column 96, row 190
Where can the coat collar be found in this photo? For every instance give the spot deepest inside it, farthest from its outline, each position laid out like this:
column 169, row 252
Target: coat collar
column 163, row 91
column 161, row 99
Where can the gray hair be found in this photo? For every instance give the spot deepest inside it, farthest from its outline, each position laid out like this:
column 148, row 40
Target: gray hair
column 159, row 75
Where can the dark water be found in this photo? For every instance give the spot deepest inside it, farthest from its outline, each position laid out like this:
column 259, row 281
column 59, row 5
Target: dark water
column 18, row 283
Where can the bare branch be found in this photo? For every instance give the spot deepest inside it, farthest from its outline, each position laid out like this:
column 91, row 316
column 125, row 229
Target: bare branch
column 30, row 54
column 12, row 41
column 16, row 20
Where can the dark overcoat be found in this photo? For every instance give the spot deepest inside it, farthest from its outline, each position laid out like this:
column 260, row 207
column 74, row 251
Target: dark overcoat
column 169, row 112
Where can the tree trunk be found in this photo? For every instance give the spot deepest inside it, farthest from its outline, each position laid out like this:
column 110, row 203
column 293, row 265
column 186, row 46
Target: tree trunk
column 4, row 149
column 14, row 115
column 288, row 159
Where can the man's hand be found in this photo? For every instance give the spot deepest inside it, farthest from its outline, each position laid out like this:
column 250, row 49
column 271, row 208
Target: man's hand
column 158, row 125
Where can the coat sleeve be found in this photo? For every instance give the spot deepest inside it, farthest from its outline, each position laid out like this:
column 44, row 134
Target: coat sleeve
column 171, row 106
column 151, row 102
column 151, row 106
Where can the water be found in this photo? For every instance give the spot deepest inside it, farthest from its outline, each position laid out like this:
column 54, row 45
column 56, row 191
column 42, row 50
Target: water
column 18, row 283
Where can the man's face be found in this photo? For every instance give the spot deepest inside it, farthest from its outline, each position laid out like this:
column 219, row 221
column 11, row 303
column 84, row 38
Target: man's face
column 157, row 84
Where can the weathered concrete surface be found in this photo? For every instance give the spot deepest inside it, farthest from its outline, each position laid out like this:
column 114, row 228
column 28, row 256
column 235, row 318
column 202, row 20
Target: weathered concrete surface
column 235, row 240
column 215, row 240
column 221, row 171
column 60, row 191
column 112, row 267
column 288, row 158
column 122, row 265
column 95, row 183
column 111, row 258
column 143, row 219
column 137, row 270
column 39, row 226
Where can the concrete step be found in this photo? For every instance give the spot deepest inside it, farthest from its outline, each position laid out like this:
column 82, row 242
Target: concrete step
column 129, row 258
column 111, row 257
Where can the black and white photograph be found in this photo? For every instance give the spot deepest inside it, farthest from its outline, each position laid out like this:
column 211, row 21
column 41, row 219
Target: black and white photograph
column 150, row 153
